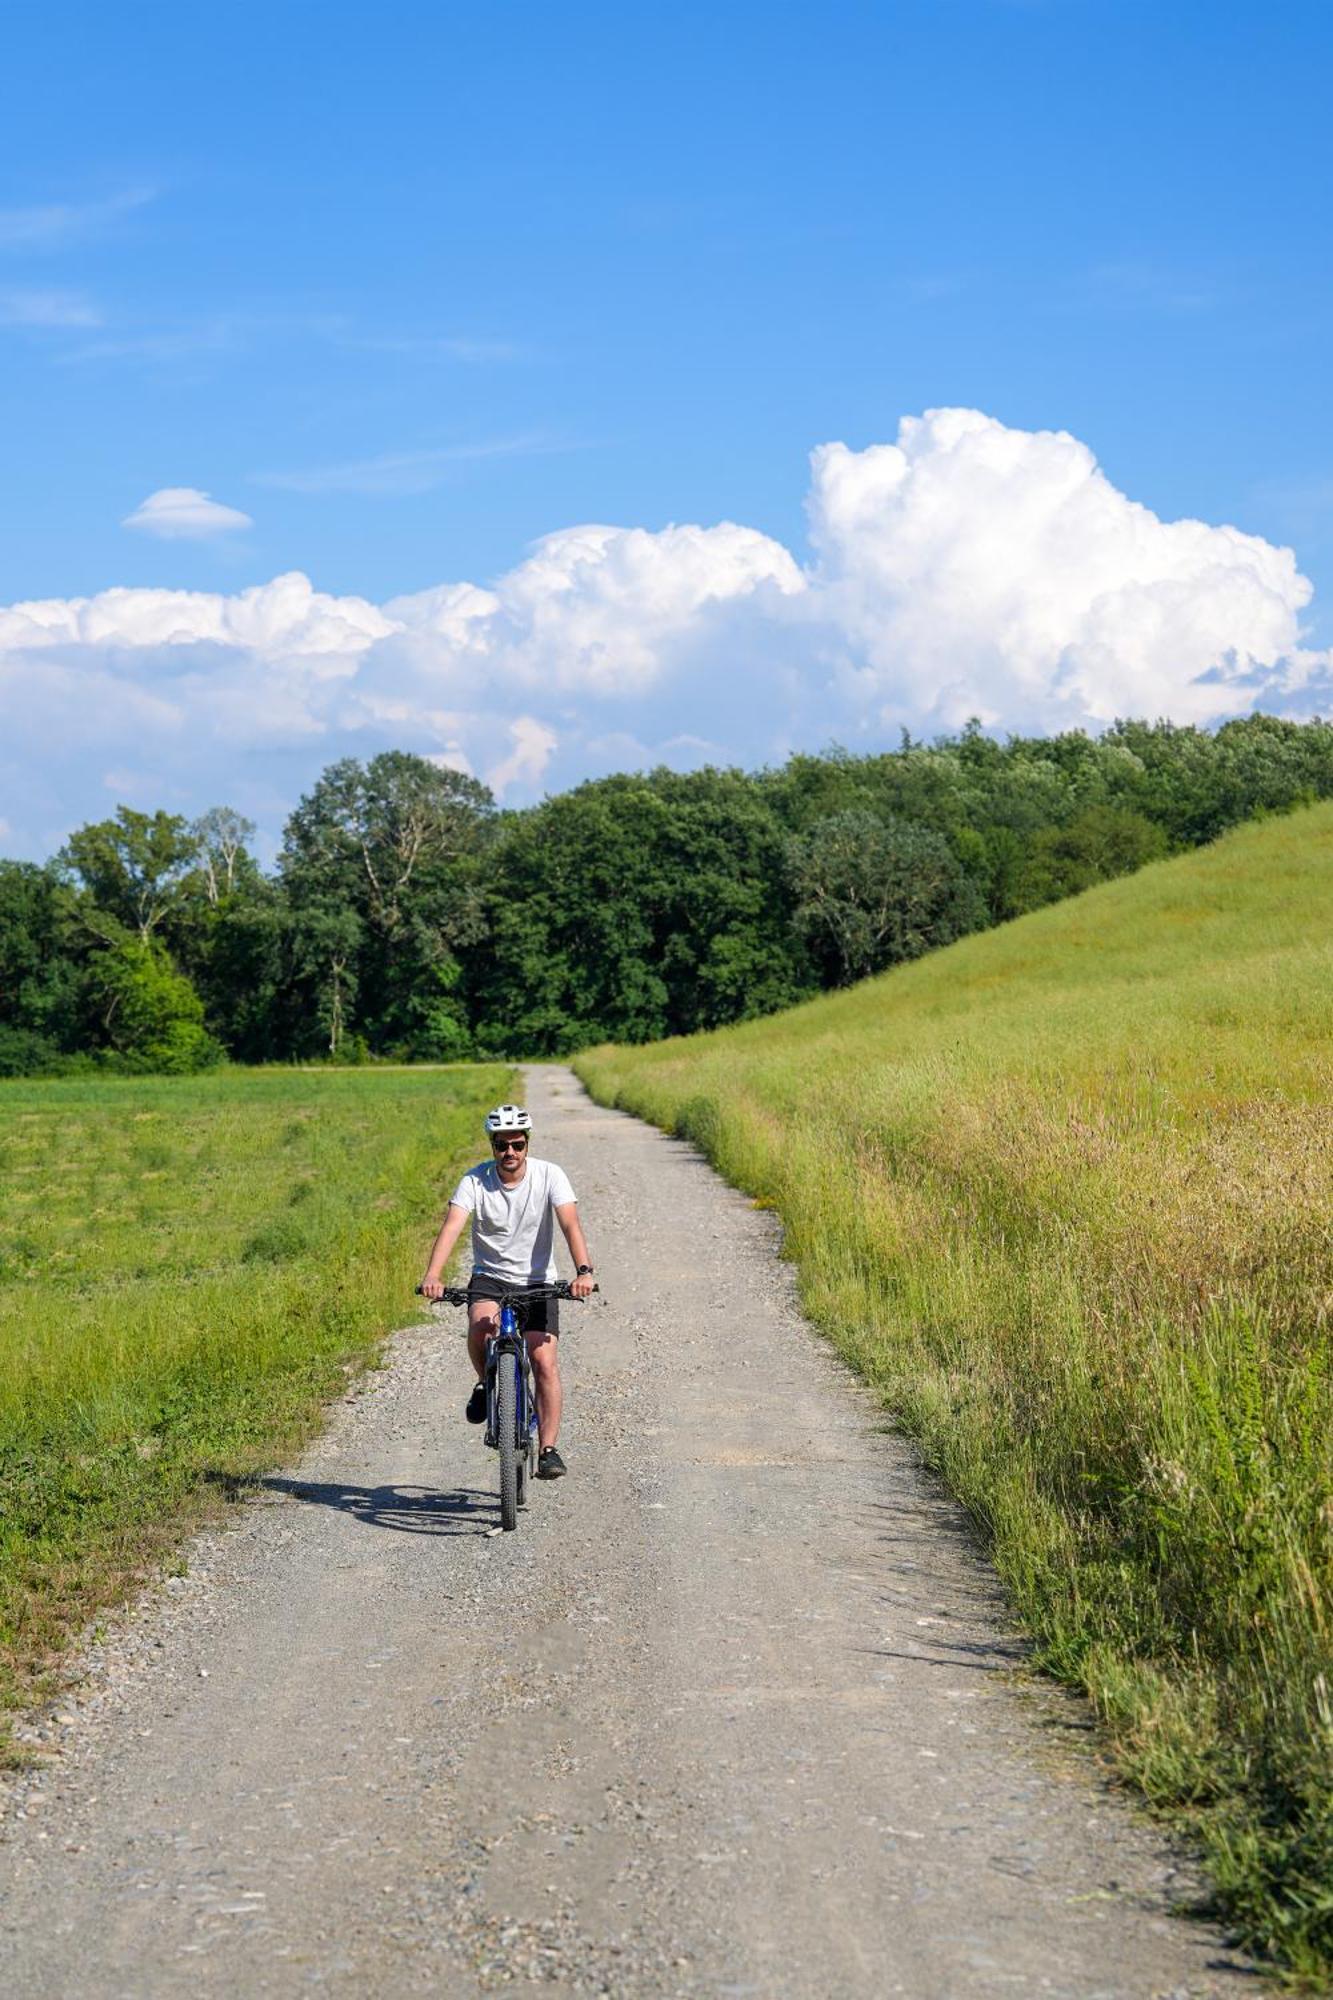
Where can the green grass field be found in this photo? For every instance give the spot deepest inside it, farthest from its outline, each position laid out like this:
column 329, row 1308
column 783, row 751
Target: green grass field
column 188, row 1268
column 1063, row 1194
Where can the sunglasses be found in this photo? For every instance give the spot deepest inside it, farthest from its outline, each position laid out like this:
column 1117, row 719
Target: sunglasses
column 509, row 1145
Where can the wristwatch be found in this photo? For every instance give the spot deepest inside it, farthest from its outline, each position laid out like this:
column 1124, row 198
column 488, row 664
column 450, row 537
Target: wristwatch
column 584, row 1271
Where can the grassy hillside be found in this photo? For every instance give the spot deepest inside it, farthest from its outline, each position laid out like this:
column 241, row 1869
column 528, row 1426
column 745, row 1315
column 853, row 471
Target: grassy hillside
column 187, row 1267
column 1063, row 1194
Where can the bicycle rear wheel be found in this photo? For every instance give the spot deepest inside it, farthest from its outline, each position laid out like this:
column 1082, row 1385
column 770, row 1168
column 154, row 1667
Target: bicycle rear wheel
column 506, row 1416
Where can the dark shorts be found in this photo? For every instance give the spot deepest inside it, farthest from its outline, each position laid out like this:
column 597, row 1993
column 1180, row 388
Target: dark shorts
column 534, row 1315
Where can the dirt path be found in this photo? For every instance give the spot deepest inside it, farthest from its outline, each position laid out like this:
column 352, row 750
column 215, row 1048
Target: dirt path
column 730, row 1714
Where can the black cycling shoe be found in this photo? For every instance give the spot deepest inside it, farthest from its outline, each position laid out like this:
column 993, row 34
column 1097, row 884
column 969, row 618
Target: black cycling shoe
column 476, row 1405
column 550, row 1465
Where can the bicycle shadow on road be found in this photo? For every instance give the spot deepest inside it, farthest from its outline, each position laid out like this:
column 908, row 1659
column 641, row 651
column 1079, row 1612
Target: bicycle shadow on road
column 411, row 1510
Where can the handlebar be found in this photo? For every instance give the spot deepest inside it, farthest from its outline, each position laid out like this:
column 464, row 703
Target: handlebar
column 455, row 1295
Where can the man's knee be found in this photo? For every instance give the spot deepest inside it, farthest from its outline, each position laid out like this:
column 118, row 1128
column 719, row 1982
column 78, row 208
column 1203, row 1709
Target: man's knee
column 483, row 1319
column 543, row 1351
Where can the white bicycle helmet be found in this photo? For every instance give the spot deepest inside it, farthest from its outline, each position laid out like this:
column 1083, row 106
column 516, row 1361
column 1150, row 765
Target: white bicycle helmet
column 508, row 1118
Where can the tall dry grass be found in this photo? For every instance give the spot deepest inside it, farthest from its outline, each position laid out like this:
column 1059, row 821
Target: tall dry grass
column 1063, row 1194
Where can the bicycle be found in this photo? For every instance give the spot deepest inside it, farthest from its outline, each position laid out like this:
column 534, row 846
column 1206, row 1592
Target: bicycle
column 511, row 1406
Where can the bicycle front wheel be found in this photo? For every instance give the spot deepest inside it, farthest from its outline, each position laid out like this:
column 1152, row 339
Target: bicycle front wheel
column 506, row 1414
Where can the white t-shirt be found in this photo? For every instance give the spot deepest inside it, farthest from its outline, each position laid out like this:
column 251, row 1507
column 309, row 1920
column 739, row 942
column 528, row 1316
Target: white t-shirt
column 513, row 1229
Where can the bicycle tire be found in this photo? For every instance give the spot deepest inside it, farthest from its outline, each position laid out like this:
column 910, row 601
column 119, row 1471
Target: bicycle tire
column 506, row 1420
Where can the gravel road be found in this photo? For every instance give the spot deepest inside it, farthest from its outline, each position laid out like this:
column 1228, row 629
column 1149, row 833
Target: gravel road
column 733, row 1713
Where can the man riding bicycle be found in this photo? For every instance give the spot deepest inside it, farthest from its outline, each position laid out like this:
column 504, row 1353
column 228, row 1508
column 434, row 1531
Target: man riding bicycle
column 512, row 1199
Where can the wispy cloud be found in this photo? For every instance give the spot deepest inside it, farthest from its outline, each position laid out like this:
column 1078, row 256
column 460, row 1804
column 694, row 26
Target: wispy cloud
column 52, row 310
column 238, row 331
column 50, row 224
column 399, row 472
column 244, row 332
column 166, row 344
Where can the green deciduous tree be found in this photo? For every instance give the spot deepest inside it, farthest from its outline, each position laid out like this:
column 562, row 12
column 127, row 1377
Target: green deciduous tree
column 380, row 867
column 237, row 952
column 151, row 1015
column 1101, row 842
column 871, row 892
column 326, row 942
column 221, row 840
column 40, row 1016
column 134, row 867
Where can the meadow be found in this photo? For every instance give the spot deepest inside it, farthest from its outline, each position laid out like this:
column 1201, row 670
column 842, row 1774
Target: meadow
column 189, row 1267
column 1062, row 1194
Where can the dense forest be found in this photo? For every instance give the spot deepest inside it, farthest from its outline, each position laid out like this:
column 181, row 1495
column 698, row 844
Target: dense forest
column 409, row 918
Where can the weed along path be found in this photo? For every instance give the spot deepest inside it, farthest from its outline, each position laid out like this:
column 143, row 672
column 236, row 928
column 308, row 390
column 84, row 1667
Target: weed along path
column 732, row 1713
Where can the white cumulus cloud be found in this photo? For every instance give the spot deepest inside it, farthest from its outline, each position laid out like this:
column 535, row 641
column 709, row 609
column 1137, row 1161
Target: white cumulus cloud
column 965, row 568
column 971, row 568
column 596, row 609
column 284, row 620
column 183, row 513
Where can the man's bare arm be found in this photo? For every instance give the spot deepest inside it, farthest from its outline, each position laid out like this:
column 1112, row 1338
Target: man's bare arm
column 450, row 1231
column 567, row 1215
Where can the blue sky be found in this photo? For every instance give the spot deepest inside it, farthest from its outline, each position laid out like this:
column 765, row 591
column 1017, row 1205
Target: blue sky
column 411, row 287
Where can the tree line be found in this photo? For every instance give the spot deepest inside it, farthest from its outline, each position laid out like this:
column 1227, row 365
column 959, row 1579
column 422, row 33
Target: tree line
column 409, row 918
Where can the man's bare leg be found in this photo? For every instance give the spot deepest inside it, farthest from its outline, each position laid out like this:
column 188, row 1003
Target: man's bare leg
column 483, row 1317
column 544, row 1354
